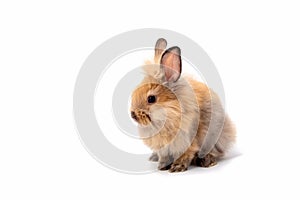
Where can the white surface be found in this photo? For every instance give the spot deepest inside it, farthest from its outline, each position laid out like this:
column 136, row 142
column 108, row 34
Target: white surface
column 254, row 45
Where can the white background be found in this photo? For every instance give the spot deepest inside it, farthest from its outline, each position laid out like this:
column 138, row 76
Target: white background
column 255, row 46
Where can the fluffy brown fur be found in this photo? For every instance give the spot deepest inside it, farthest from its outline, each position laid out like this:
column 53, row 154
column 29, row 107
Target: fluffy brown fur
column 186, row 123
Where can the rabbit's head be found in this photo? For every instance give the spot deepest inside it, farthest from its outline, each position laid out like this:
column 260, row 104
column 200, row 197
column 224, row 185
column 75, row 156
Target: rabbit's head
column 154, row 101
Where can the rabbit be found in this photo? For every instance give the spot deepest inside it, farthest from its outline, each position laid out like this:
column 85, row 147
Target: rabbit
column 179, row 118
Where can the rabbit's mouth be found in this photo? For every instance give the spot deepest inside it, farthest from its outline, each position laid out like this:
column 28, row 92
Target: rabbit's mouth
column 141, row 117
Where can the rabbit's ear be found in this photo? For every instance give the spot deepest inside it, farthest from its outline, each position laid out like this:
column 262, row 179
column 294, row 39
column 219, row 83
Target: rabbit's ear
column 160, row 46
column 171, row 64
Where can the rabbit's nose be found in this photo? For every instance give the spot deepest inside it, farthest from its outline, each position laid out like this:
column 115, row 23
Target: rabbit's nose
column 133, row 115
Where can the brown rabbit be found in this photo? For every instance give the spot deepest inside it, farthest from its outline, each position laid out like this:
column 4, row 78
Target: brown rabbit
column 180, row 119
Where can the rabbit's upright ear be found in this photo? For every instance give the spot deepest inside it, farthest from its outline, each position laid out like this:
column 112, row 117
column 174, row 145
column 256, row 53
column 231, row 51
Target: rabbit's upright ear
column 160, row 46
column 171, row 64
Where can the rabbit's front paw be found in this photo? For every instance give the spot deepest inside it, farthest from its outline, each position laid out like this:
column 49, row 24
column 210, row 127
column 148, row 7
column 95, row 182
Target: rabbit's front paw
column 178, row 167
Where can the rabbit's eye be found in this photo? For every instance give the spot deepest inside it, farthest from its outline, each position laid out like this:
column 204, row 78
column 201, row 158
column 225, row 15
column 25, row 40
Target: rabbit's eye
column 151, row 99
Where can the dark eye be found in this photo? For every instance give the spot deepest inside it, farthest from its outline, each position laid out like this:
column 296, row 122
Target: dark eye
column 151, row 99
